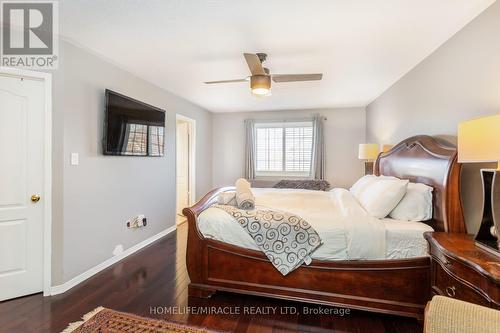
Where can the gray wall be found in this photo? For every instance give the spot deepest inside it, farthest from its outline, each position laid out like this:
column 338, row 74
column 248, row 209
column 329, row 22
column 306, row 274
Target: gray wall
column 459, row 81
column 92, row 201
column 344, row 130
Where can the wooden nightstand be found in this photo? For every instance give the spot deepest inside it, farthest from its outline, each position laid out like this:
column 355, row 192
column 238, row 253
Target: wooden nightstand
column 461, row 270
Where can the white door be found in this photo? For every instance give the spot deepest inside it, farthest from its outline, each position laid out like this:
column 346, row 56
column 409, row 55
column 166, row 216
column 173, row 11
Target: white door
column 21, row 177
column 182, row 166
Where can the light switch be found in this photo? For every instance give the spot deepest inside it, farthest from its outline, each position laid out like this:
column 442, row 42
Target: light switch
column 74, row 159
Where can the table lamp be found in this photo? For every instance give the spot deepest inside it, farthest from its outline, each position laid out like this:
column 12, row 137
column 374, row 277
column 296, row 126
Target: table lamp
column 386, row 148
column 369, row 153
column 478, row 142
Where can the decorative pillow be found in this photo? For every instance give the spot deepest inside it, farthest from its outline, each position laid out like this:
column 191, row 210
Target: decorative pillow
column 416, row 205
column 308, row 184
column 379, row 195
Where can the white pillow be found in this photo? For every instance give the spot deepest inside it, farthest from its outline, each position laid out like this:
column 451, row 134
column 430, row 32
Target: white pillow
column 416, row 205
column 362, row 184
column 379, row 195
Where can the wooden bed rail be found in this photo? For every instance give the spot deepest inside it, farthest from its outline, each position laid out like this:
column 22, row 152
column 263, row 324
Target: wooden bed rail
column 402, row 285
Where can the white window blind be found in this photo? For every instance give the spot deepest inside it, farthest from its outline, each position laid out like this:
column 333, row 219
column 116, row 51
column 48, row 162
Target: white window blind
column 283, row 149
column 137, row 140
column 156, row 143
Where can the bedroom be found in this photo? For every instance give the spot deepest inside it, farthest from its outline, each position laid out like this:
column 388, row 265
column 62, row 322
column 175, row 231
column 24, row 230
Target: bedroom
column 83, row 228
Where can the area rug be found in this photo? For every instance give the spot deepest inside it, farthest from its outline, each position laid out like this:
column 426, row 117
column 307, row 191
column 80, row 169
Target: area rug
column 110, row 321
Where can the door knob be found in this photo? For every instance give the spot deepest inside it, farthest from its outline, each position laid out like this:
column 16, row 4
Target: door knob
column 35, row 198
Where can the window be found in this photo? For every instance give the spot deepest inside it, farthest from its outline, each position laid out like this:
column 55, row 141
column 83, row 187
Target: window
column 156, row 140
column 138, row 142
column 283, row 149
column 137, row 139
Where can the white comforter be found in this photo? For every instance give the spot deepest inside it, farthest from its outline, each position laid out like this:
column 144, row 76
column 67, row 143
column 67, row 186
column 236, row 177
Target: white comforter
column 347, row 231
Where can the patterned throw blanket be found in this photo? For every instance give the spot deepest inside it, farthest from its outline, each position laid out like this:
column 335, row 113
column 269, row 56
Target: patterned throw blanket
column 286, row 239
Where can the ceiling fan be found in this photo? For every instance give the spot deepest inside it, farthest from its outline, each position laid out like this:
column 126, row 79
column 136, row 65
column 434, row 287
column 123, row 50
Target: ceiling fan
column 260, row 80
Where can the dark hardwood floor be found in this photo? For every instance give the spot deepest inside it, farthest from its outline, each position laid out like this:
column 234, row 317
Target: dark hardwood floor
column 153, row 283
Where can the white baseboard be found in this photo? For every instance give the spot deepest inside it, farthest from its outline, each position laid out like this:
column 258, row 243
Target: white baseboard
column 59, row 289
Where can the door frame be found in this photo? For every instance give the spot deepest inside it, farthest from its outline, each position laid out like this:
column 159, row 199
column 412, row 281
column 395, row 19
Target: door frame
column 192, row 158
column 47, row 181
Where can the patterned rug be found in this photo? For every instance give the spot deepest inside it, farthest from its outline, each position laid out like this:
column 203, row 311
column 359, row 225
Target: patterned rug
column 104, row 320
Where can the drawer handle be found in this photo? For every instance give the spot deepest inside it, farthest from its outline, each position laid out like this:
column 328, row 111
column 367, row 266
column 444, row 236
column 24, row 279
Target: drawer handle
column 450, row 291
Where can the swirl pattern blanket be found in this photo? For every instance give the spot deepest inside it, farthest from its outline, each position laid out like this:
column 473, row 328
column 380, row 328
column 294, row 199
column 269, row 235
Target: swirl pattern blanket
column 286, row 239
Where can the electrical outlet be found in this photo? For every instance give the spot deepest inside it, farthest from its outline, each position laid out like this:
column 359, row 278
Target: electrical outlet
column 137, row 222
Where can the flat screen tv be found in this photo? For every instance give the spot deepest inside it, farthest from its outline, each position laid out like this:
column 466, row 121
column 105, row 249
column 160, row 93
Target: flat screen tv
column 132, row 128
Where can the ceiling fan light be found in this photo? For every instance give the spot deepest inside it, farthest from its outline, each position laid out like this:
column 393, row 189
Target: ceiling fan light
column 260, row 84
column 260, row 91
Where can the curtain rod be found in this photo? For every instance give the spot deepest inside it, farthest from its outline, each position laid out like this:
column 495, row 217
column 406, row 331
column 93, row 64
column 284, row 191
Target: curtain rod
column 293, row 120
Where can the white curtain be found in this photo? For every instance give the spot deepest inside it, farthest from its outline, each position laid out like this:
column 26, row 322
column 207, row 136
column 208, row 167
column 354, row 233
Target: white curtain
column 249, row 149
column 318, row 160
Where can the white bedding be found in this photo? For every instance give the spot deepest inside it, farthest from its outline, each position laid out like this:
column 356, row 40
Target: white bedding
column 404, row 239
column 347, row 231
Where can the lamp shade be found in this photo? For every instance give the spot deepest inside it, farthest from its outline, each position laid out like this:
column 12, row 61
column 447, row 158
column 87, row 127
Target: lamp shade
column 479, row 140
column 368, row 151
column 386, row 148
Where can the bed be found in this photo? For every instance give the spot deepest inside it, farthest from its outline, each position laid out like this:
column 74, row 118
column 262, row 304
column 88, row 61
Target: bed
column 397, row 284
column 347, row 231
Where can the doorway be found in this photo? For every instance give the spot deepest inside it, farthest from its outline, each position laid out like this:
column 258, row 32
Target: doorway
column 185, row 164
column 25, row 182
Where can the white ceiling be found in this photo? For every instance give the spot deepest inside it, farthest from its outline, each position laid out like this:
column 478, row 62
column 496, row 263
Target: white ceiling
column 361, row 46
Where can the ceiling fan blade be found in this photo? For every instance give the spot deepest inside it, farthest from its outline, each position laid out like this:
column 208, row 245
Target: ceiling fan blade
column 254, row 64
column 227, row 81
column 296, row 77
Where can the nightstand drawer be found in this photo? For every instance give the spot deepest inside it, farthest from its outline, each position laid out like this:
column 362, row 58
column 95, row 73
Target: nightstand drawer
column 447, row 285
column 459, row 269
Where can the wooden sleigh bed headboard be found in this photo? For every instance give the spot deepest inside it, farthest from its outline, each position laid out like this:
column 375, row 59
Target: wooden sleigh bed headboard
column 424, row 159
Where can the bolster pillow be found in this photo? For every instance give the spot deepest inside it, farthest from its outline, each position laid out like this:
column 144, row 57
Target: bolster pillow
column 244, row 195
column 227, row 198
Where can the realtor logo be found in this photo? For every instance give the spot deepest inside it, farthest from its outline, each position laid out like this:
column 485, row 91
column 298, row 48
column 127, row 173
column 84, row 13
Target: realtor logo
column 29, row 34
